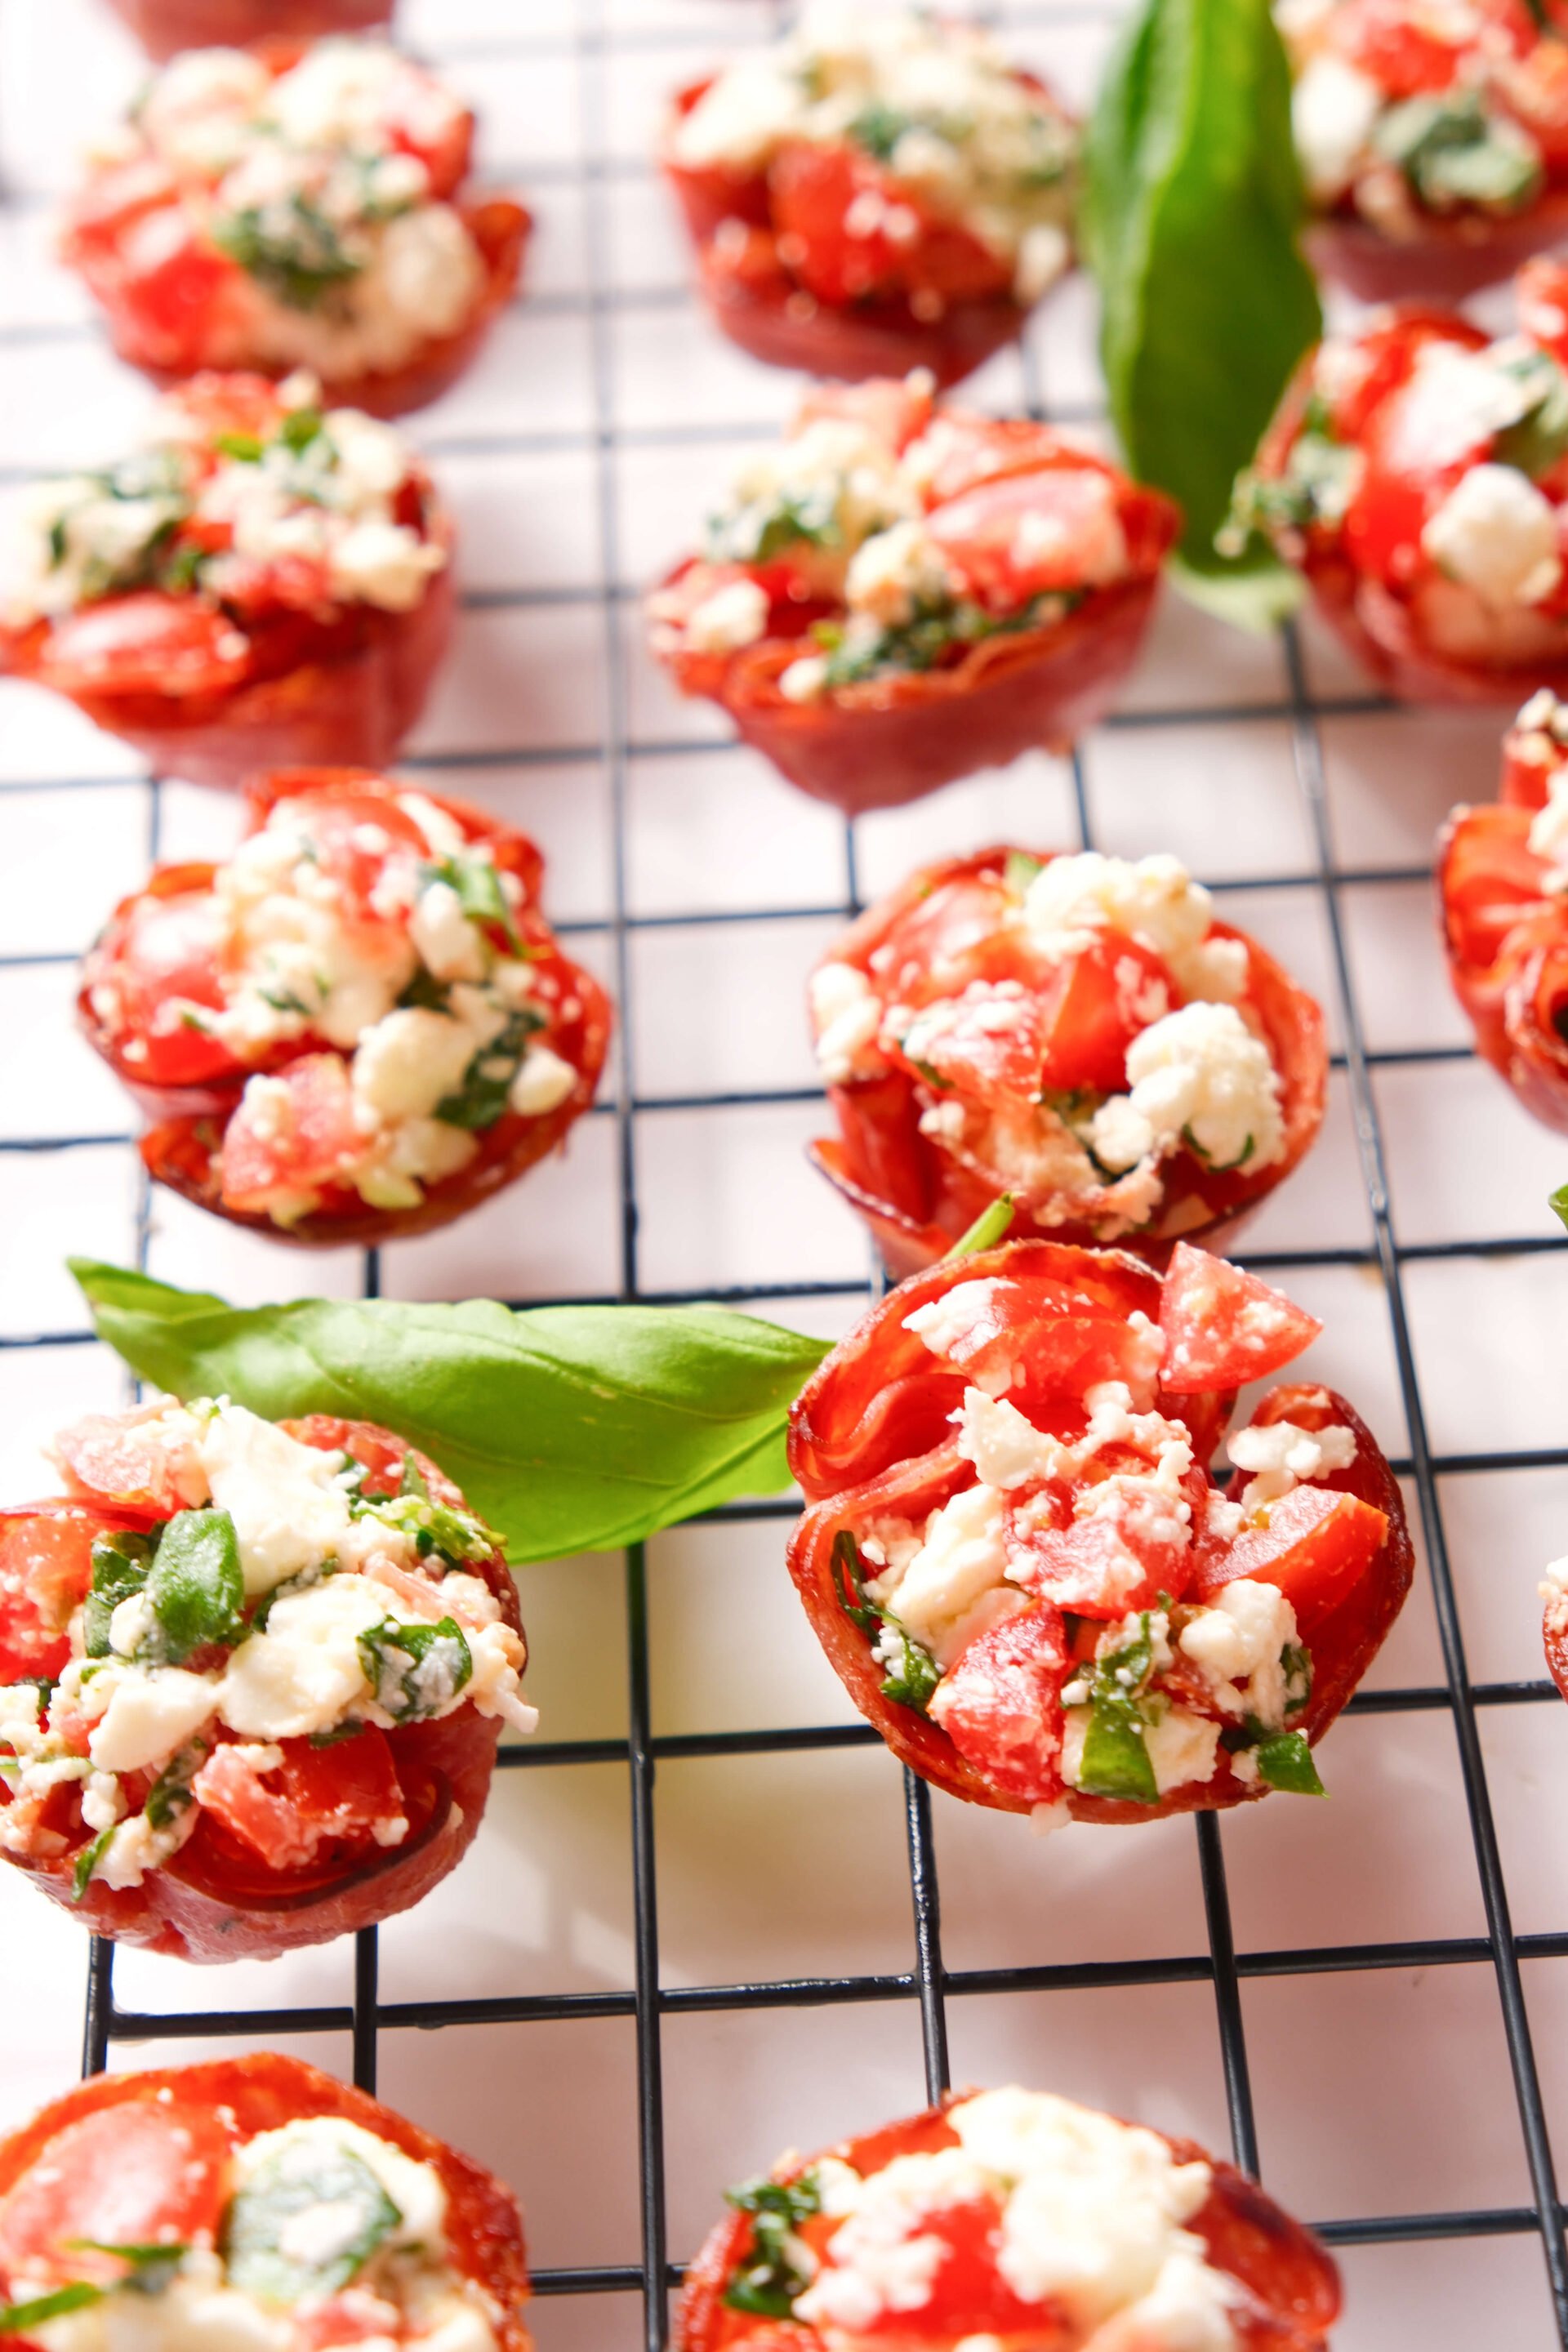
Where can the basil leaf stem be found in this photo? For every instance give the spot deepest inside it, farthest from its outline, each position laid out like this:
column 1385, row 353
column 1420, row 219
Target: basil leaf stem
column 986, row 1231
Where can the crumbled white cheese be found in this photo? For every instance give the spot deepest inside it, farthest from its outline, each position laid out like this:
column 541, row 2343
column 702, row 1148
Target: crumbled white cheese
column 1456, row 400
column 897, row 573
column 1283, row 1454
column 846, row 1015
column 1497, row 533
column 416, row 2189
column 1332, row 110
column 733, row 616
column 149, row 1714
column 1199, row 1076
column 304, row 1672
column 947, row 1325
column 287, row 1500
column 542, row 1083
column 1549, row 834
column 449, row 944
column 1240, row 1641
column 963, row 1559
column 882, row 2259
column 1154, row 902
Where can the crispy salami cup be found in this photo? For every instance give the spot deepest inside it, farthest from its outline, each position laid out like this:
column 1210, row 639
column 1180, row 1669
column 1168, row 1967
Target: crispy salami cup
column 264, row 581
column 1074, row 1030
column 1017, row 1561
column 257, row 2202
column 298, row 206
column 1418, row 476
column 880, row 191
column 1502, row 873
column 252, row 1679
column 1434, row 147
column 357, row 1028
column 899, row 594
column 1010, row 2218
column 165, row 26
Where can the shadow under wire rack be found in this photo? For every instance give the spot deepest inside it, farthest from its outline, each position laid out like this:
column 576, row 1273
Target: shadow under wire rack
column 588, row 44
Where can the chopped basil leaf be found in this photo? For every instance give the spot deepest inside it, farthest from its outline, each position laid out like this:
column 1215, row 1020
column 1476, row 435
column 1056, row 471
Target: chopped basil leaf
column 1285, row 1762
column 119, row 1566
column 171, row 1793
column 414, row 1671
column 86, row 1863
column 299, row 2179
column 849, row 1579
column 413, row 1481
column 426, row 994
column 1453, row 152
column 247, row 448
column 761, row 529
column 1115, row 1752
column 300, row 428
column 18, row 2318
column 486, row 1081
column 195, row 1586
column 1540, row 436
column 878, row 128
column 770, row 2278
column 1319, row 481
column 1020, row 871
column 921, row 644
column 152, row 2267
column 1297, row 1661
column 1558, row 1203
column 917, row 1674
column 1217, row 1167
column 292, row 250
column 180, row 569
column 438, row 1531
column 477, row 882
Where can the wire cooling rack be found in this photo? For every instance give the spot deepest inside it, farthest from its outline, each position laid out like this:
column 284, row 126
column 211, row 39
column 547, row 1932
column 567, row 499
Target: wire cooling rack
column 1351, row 1993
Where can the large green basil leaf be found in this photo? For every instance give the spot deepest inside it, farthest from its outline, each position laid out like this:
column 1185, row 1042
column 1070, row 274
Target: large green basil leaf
column 1192, row 207
column 568, row 1428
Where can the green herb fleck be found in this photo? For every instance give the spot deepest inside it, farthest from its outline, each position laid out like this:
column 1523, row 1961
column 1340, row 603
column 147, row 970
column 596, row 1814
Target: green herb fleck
column 1020, row 870
column 247, row 448
column 86, row 1863
column 770, row 2276
column 301, row 2176
column 477, row 883
column 414, row 1671
column 119, row 1567
column 915, row 1673
column 486, row 1081
column 291, row 249
column 1285, row 1762
column 1115, row 1751
column 195, row 1586
column 20, row 2318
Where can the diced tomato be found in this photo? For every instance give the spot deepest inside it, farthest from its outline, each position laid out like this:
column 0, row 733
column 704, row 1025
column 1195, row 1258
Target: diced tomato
column 146, row 2172
column 1101, row 999
column 216, row 403
column 1223, row 1327
column 173, row 285
column 1492, row 882
column 1016, row 538
column 968, row 2296
column 896, row 410
column 46, row 1569
column 355, row 835
column 1001, row 1705
column 970, row 450
column 112, row 199
column 166, row 951
column 1542, row 292
column 300, row 1142
column 823, row 194
column 117, row 1456
column 145, row 644
column 1412, row 49
column 355, row 2316
column 1313, row 1543
column 1534, row 90
column 317, row 1796
column 1121, row 1557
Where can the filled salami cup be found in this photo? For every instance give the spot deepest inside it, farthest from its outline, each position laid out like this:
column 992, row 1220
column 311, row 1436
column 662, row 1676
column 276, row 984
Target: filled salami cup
column 164, row 27
column 1434, row 146
column 358, row 1026
column 879, row 190
column 1023, row 1569
column 1416, row 475
column 1008, row 2218
column 252, row 1678
column 263, row 580
column 1077, row 1031
column 250, row 2205
column 900, row 593
column 300, row 205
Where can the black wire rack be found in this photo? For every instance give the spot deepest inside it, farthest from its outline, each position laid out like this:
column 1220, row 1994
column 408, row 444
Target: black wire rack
column 595, row 38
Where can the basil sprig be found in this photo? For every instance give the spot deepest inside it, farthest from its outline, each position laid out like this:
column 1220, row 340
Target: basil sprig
column 770, row 2278
column 569, row 1428
column 1192, row 207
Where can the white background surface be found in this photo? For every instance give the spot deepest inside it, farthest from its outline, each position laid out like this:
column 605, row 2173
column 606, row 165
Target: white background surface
column 1378, row 2091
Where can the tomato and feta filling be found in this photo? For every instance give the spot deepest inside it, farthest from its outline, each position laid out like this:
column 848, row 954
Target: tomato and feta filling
column 1433, row 464
column 1068, row 1037
column 155, row 2224
column 880, row 135
column 248, row 502
column 247, row 215
column 1038, row 2213
column 1404, row 112
column 263, row 1609
column 383, row 977
column 885, row 536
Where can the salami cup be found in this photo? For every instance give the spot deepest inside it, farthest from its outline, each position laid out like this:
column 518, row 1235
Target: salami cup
column 1009, row 2219
column 1020, row 1566
column 357, row 1027
column 256, row 2202
column 163, row 28
column 1077, row 1031
column 252, row 1679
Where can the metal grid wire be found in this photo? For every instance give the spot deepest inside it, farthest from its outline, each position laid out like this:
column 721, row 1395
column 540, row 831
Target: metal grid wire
column 925, row 1982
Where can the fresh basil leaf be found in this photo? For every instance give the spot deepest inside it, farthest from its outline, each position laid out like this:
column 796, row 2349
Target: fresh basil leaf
column 119, row 1567
column 301, row 2176
column 247, row 448
column 477, row 883
column 195, row 1586
column 150, row 2267
column 1541, row 437
column 1558, row 1202
column 300, row 428
column 1192, row 209
column 414, row 1671
column 170, row 1793
column 1285, row 1762
column 18, row 2318
column 1020, row 871
column 917, row 1674
column 1116, row 1756
column 487, row 1081
column 86, row 1863
column 987, row 1229
column 770, row 2278
column 568, row 1428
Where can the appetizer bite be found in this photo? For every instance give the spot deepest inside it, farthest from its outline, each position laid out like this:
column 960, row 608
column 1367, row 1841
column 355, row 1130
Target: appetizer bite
column 1009, row 2219
column 253, row 2203
column 252, row 1678
column 877, row 191
column 899, row 594
column 1417, row 474
column 1017, row 1561
column 1074, row 1030
column 262, row 582
column 1434, row 141
column 1502, row 874
column 357, row 1027
column 165, row 26
column 297, row 206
